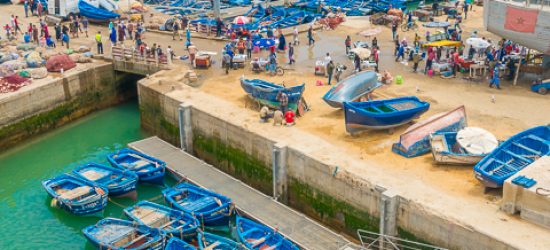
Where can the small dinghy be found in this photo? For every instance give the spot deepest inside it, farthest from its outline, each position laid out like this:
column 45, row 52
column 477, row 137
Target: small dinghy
column 257, row 236
column 177, row 244
column 513, row 155
column 382, row 114
column 148, row 169
column 415, row 140
column 465, row 147
column 208, row 241
column 77, row 196
column 111, row 233
column 266, row 93
column 119, row 182
column 211, row 209
column 169, row 221
column 352, row 88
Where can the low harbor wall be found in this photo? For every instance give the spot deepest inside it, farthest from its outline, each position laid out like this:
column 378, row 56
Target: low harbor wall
column 51, row 102
column 306, row 177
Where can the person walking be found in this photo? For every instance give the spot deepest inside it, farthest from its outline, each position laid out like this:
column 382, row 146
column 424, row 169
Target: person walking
column 219, row 25
column 26, row 7
column 99, row 42
column 66, row 39
column 85, row 23
column 495, row 80
column 374, row 42
column 394, row 29
column 465, row 10
column 39, row 8
column 310, row 36
column 249, row 48
column 295, row 35
column 330, row 70
column 400, row 53
column 175, row 29
column 290, row 54
column 376, row 56
column 357, row 63
column 187, row 37
column 416, row 59
column 35, row 34
column 348, row 44
column 241, row 46
column 227, row 59
column 112, row 36
column 429, row 61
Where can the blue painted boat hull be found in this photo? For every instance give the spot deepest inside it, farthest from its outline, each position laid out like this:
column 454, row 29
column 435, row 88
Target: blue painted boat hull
column 210, row 209
column 513, row 155
column 352, row 88
column 205, row 239
column 544, row 85
column 148, row 168
column 182, row 225
column 250, row 233
column 119, row 182
column 177, row 244
column 266, row 93
column 95, row 199
column 108, row 231
column 382, row 114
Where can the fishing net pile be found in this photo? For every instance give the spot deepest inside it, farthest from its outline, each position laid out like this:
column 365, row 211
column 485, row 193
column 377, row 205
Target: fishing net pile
column 10, row 67
column 34, row 60
column 80, row 58
column 12, row 83
column 26, row 46
column 58, row 62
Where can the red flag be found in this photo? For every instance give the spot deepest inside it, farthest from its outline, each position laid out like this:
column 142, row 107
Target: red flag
column 521, row 20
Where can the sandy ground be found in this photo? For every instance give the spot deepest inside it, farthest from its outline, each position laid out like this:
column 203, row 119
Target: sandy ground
column 516, row 108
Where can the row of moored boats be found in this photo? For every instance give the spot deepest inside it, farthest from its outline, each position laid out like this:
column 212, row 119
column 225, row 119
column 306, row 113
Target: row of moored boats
column 85, row 191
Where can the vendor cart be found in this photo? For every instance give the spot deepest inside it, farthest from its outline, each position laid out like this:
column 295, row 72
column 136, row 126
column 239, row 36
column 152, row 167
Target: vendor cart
column 320, row 68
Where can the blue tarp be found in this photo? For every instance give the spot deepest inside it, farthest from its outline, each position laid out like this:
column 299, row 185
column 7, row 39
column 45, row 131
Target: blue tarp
column 94, row 13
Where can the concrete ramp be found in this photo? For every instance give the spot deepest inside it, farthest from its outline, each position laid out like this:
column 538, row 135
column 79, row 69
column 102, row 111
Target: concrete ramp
column 307, row 233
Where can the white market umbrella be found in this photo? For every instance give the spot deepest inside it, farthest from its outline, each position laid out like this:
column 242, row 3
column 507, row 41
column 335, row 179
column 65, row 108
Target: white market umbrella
column 476, row 140
column 477, row 43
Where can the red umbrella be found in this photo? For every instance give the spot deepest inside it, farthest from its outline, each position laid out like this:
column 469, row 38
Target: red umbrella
column 241, row 20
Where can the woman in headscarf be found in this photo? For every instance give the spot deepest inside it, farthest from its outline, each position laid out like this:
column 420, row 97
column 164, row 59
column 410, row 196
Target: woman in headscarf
column 282, row 42
column 112, row 36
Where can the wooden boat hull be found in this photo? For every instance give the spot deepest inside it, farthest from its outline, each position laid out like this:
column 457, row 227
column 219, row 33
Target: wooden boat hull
column 111, row 233
column 415, row 140
column 382, row 114
column 257, row 236
column 93, row 200
column 443, row 153
column 169, row 221
column 148, row 169
column 513, row 155
column 265, row 93
column 209, row 208
column 352, row 88
column 119, row 182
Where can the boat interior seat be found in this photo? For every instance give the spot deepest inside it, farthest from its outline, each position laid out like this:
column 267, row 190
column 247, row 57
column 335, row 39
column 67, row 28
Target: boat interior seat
column 75, row 192
column 135, row 240
column 94, row 174
column 212, row 246
column 199, row 204
column 526, row 148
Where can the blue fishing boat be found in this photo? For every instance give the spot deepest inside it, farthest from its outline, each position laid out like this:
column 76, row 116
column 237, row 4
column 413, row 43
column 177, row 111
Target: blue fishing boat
column 148, row 169
column 75, row 195
column 216, row 242
column 95, row 14
column 211, row 209
column 415, row 140
column 169, row 221
column 382, row 114
column 257, row 236
column 118, row 181
column 541, row 87
column 177, row 244
column 266, row 92
column 513, row 155
column 257, row 12
column 111, row 233
column 447, row 147
column 352, row 88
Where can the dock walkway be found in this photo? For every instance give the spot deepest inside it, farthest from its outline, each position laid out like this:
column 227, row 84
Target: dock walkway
column 307, row 233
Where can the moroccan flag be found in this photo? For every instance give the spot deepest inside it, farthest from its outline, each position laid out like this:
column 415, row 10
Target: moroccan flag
column 521, row 20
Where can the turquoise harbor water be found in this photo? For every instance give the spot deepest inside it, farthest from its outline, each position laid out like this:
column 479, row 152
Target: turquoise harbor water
column 28, row 221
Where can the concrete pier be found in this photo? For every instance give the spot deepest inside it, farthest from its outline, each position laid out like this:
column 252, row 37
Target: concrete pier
column 305, row 232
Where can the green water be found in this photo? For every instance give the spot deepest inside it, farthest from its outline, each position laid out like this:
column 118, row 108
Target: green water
column 26, row 218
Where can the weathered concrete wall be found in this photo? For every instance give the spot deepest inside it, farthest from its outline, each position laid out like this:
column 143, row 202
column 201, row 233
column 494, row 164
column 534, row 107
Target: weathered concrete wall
column 314, row 185
column 49, row 103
